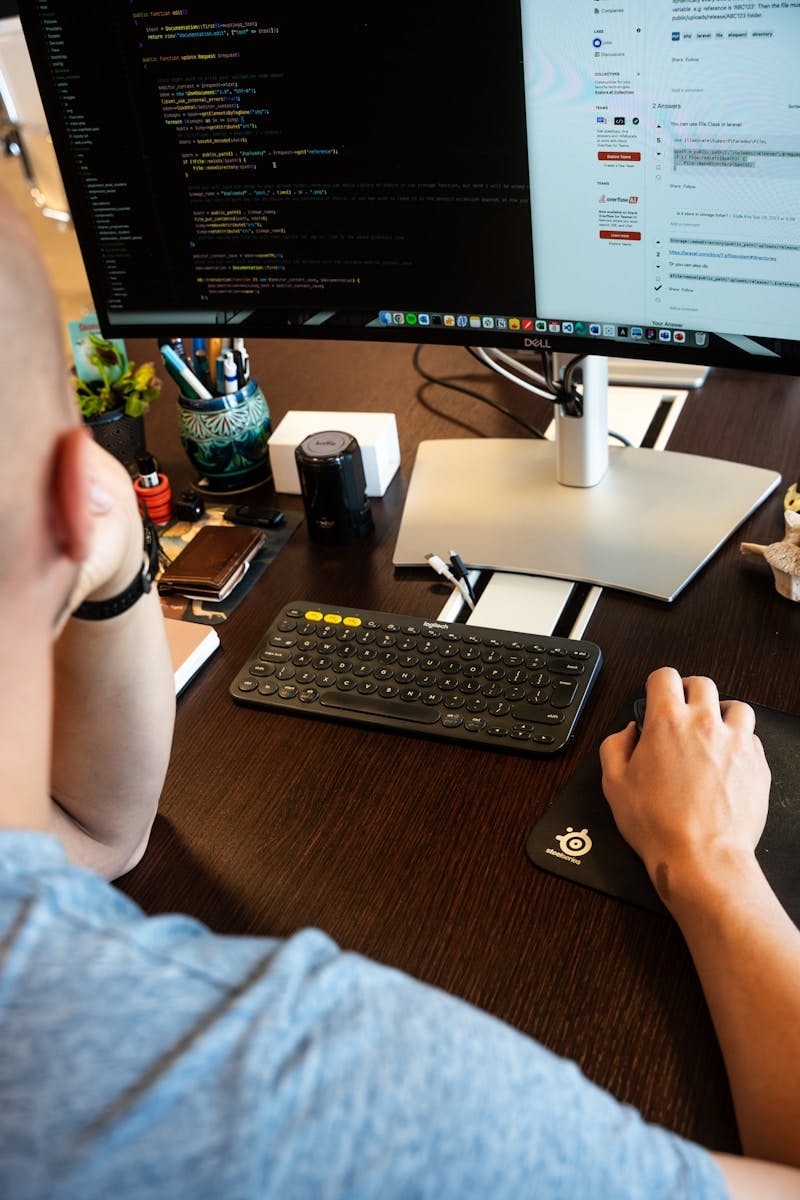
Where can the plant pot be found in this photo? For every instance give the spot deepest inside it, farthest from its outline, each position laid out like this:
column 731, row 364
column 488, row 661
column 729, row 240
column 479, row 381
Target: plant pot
column 121, row 435
column 226, row 438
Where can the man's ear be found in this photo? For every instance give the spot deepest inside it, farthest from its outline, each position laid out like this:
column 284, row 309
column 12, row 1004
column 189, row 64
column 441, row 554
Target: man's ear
column 69, row 492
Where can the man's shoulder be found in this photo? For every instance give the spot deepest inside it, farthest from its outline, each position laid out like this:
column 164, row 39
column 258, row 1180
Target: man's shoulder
column 85, row 935
column 35, row 873
column 26, row 850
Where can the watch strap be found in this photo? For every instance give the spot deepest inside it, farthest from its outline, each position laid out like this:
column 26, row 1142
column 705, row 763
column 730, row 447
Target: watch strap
column 101, row 610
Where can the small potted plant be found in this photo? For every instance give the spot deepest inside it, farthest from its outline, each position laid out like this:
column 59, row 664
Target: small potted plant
column 114, row 404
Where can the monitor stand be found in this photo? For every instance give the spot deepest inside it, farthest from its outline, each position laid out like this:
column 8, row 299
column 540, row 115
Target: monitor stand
column 642, row 372
column 644, row 521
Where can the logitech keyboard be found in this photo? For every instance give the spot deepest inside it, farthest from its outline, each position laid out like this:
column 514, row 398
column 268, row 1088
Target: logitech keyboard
column 479, row 687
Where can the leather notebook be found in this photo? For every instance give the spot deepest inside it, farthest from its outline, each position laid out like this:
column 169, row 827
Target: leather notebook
column 578, row 839
column 213, row 563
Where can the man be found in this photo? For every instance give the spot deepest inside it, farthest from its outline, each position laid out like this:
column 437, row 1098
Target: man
column 148, row 1057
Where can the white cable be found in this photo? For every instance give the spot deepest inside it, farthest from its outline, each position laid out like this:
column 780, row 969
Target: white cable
column 501, row 356
column 486, row 357
column 452, row 607
column 495, row 366
column 454, row 603
column 441, row 568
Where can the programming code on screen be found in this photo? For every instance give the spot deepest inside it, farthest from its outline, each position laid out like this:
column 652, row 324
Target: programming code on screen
column 312, row 160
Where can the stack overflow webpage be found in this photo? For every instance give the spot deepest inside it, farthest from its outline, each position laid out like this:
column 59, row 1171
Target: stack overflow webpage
column 679, row 204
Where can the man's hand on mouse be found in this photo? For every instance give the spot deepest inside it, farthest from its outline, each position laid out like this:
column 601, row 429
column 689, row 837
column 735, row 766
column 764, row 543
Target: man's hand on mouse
column 690, row 792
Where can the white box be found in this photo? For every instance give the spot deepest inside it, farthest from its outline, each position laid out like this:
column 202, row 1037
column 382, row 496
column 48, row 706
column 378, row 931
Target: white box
column 376, row 434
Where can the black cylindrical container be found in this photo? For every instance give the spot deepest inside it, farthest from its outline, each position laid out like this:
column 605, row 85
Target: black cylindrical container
column 334, row 488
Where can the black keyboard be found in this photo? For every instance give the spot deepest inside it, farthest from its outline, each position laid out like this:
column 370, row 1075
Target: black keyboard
column 483, row 687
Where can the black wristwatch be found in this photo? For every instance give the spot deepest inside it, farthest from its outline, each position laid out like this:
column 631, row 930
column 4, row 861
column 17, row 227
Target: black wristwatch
column 101, row 610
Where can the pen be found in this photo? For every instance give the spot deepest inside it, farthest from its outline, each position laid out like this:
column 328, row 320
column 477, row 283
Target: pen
column 237, row 362
column 219, row 373
column 242, row 358
column 201, row 366
column 230, row 373
column 214, row 349
column 185, row 378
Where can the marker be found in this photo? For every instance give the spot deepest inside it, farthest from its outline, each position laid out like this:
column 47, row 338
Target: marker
column 153, row 491
column 178, row 347
column 185, row 378
column 148, row 472
column 230, row 373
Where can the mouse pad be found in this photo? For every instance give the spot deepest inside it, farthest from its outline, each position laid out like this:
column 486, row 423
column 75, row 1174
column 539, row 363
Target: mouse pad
column 577, row 838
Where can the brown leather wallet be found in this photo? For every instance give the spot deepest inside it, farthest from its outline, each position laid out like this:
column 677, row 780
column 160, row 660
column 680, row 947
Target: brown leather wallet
column 213, row 563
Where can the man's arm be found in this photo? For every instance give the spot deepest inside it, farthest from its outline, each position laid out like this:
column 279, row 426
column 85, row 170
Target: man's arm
column 690, row 795
column 752, row 1179
column 114, row 695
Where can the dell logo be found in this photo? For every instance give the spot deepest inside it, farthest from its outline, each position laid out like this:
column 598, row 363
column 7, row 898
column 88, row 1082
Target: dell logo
column 536, row 343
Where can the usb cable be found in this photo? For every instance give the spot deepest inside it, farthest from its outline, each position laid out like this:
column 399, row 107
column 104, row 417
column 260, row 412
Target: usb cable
column 441, row 568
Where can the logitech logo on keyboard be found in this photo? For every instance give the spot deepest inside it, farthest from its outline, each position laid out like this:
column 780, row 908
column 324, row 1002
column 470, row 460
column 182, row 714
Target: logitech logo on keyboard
column 573, row 845
column 434, row 625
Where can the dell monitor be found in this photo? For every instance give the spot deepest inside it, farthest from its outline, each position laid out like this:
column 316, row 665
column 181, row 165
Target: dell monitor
column 590, row 180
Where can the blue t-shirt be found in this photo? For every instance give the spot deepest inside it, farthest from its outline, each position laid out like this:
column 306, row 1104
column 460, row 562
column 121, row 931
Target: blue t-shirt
column 147, row 1057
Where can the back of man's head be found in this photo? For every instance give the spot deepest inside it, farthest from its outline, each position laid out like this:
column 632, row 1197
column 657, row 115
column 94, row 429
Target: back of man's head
column 35, row 404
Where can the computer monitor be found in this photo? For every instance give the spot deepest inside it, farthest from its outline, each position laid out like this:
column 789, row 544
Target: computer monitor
column 454, row 175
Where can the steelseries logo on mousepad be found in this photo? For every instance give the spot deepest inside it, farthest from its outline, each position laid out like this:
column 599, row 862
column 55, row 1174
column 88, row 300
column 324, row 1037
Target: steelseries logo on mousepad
column 578, row 839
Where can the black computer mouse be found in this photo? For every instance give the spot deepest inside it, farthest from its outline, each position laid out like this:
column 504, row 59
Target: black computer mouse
column 639, row 707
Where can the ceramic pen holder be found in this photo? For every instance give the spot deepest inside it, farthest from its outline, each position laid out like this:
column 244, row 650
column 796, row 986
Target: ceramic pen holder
column 226, row 438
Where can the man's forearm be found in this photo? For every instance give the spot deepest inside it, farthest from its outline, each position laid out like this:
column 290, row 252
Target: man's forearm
column 747, row 954
column 112, row 732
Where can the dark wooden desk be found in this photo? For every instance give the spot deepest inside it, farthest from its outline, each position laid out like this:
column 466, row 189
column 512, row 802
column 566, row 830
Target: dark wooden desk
column 412, row 852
